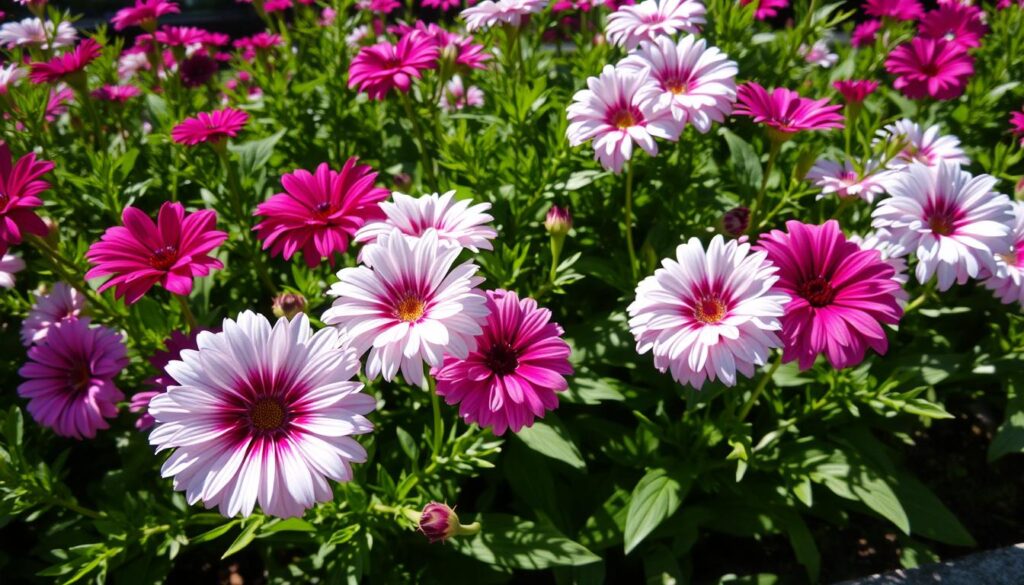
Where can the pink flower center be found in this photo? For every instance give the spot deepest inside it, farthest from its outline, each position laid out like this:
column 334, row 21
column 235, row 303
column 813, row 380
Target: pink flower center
column 323, row 210
column 656, row 18
column 817, row 291
column 627, row 118
column 267, row 414
column 502, row 359
column 410, row 309
column 164, row 258
column 709, row 310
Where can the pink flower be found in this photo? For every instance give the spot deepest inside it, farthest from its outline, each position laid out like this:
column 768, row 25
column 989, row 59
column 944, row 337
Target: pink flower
column 10, row 74
column 960, row 24
column 841, row 295
column 177, row 343
column 144, row 13
column 452, row 221
column 895, row 9
column 450, row 46
column 818, row 54
column 438, row 522
column 69, row 63
column 1007, row 280
column 57, row 105
column 1017, row 124
column 272, row 6
column 457, row 96
column 378, row 6
column 617, row 109
column 197, row 70
column 116, row 93
column 180, row 36
column 380, row 68
column 933, row 68
column 214, row 126
column 69, row 380
column 9, row 266
column 490, row 13
column 926, row 146
column 512, row 377
column 650, row 19
column 784, row 111
column 443, row 5
column 327, row 17
column 318, row 214
column 864, row 33
column 20, row 184
column 855, row 91
column 63, row 303
column 766, row 8
column 34, row 32
column 845, row 181
column 141, row 254
column 264, row 414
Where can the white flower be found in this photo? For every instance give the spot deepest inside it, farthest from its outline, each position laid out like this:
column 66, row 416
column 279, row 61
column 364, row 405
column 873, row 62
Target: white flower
column 9, row 266
column 490, row 12
column 34, row 32
column 924, row 146
column 844, row 180
column 1007, row 281
column 10, row 74
column 650, row 19
column 456, row 96
column 818, row 54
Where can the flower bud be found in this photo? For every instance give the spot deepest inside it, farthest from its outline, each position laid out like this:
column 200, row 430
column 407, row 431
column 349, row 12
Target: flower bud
column 402, row 181
column 736, row 221
column 289, row 305
column 558, row 221
column 438, row 522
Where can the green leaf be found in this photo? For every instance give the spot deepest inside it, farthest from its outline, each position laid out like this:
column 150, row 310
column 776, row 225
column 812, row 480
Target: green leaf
column 514, row 543
column 802, row 541
column 247, row 535
column 255, row 154
column 408, row 444
column 744, row 161
column 656, row 497
column 289, row 525
column 14, row 427
column 851, row 478
column 214, row 533
column 929, row 517
column 1010, row 436
column 549, row 437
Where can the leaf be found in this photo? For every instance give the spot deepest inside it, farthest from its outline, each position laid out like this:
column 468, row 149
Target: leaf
column 255, row 154
column 14, row 427
column 549, row 437
column 849, row 477
column 243, row 540
column 289, row 525
column 214, row 533
column 1010, row 435
column 514, row 543
column 656, row 497
column 802, row 541
column 929, row 517
column 408, row 444
column 744, row 161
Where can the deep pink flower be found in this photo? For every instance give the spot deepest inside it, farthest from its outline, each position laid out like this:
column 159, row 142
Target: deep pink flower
column 1004, row 4
column 20, row 184
column 159, row 383
column 766, row 8
column 840, row 294
column 379, row 68
column 180, row 36
column 443, row 5
column 378, row 6
column 864, row 33
column 855, row 91
column 144, row 13
column 319, row 213
column 955, row 22
column 58, row 103
column 257, row 43
column 895, row 9
column 210, row 127
column 171, row 252
column 116, row 93
column 450, row 45
column 512, row 376
column 69, row 379
column 197, row 70
column 67, row 64
column 784, row 111
column 272, row 6
column 933, row 68
column 1017, row 125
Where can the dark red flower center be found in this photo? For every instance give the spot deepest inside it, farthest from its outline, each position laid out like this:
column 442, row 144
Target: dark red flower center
column 817, row 291
column 502, row 359
column 267, row 415
column 942, row 224
column 709, row 310
column 164, row 258
column 323, row 210
column 80, row 376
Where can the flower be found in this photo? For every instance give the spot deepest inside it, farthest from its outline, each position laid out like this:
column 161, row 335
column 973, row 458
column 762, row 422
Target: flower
column 10, row 75
column 379, row 68
column 20, row 183
column 1007, row 281
column 708, row 313
column 160, row 382
column 144, row 14
column 63, row 303
column 178, row 36
column 197, row 70
column 457, row 222
column 516, row 370
column 879, row 240
column 955, row 224
column 958, row 23
column 736, row 221
column 558, row 221
column 318, row 213
column 1017, row 124
column 378, row 6
column 443, row 5
column 845, row 180
column 840, row 294
column 37, row 33
column 272, row 6
column 933, row 68
column 57, row 105
column 864, row 33
column 289, row 304
column 456, row 96
column 617, row 109
column 9, row 266
column 697, row 82
column 855, row 91
column 650, row 19
column 438, row 522
column 459, row 49
column 141, row 254
column 784, row 111
column 69, row 379
column 766, row 8
column 68, row 64
column 411, row 307
column 214, row 127
column 894, row 9
column 131, row 62
column 490, row 12
column 926, row 147
column 818, row 54
column 262, row 413
column 256, row 44
column 116, row 93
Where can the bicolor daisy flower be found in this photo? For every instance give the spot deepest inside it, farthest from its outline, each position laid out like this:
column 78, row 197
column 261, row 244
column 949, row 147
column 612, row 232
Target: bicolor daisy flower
column 845, row 180
column 650, row 19
column 1007, row 281
column 925, row 146
column 34, row 32
column 484, row 15
column 9, row 266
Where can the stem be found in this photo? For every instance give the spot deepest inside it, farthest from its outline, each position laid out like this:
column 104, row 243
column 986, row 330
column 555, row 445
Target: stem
column 428, row 167
column 235, row 190
column 435, row 404
column 773, row 153
column 629, row 219
column 70, row 505
column 187, row 313
column 762, row 383
column 556, row 252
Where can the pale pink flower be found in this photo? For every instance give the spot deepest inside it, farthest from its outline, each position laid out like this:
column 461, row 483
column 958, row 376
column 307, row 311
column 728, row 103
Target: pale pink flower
column 924, row 146
column 650, row 19
column 457, row 96
column 9, row 266
column 845, row 180
column 63, row 303
column 36, row 33
column 490, row 13
column 819, row 54
column 1007, row 281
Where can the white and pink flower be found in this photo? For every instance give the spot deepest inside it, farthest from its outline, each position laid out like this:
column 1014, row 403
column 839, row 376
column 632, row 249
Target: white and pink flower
column 650, row 19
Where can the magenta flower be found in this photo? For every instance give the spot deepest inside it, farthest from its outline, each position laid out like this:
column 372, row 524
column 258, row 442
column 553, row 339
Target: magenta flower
column 65, row 65
column 214, row 127
column 69, row 380
column 1017, row 124
column 841, row 295
column 855, row 91
column 160, row 382
column 784, row 111
column 180, row 36
column 864, row 33
column 438, row 522
column 171, row 252
column 933, row 68
column 19, row 184
column 272, row 6
column 318, row 214
column 512, row 377
column 443, row 5
column 766, row 8
column 116, row 93
column 960, row 24
column 379, row 68
column 450, row 45
column 894, row 9
column 144, row 14
column 63, row 303
column 197, row 70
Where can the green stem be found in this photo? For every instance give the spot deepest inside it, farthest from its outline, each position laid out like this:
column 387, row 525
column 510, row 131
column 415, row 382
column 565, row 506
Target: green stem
column 187, row 313
column 761, row 384
column 435, row 404
column 628, row 211
column 773, row 153
column 556, row 252
column 428, row 167
column 70, row 505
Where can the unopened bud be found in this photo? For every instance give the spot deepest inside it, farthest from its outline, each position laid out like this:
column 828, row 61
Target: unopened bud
column 438, row 523
column 289, row 305
column 736, row 221
column 402, row 181
column 558, row 221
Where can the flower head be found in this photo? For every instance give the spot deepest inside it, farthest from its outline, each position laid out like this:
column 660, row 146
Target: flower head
column 766, row 8
column 9, row 266
column 845, row 180
column 289, row 304
column 438, row 522
column 492, row 12
column 924, row 146
column 818, row 54
column 864, row 33
column 178, row 36
column 855, row 91
column 213, row 127
column 933, row 68
column 513, row 375
column 736, row 221
column 160, row 382
column 784, row 111
column 197, row 70
column 171, row 252
column 66, row 65
column 457, row 96
column 34, row 32
column 10, row 75
column 956, row 22
column 650, row 19
column 69, row 379
column 1007, row 280
column 63, row 303
column 116, row 93
column 453, row 221
column 1017, row 124
column 379, row 68
column 262, row 413
column 558, row 221
column 443, row 5
column 144, row 13
column 894, row 9
column 20, row 183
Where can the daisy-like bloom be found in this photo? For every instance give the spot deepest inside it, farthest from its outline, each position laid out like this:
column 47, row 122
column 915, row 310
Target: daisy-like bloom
column 864, row 33
column 923, row 146
column 272, row 6
column 37, row 33
column 143, row 14
column 57, row 106
column 357, row 36
column 784, row 111
column 650, row 19
column 855, row 91
column 327, row 17
column 818, row 54
column 697, row 82
column 20, row 183
column 131, row 62
column 411, row 308
column 63, row 303
column 451, row 46
column 379, row 68
column 894, row 9
column 443, row 5
column 516, row 370
column 618, row 108
column 1017, row 124
column 68, row 64
column 879, row 240
column 197, row 70
column 841, row 294
column 257, row 43
column 955, row 224
column 180, row 36
column 214, row 127
column 262, row 413
column 9, row 266
column 319, row 213
column 1007, row 281
column 160, row 382
column 958, row 23
column 457, row 96
column 844, row 180
column 452, row 221
column 378, row 6
column 69, row 380
column 708, row 313
column 489, row 13
column 766, row 8
column 10, row 75
column 933, row 68
column 116, row 93
column 171, row 252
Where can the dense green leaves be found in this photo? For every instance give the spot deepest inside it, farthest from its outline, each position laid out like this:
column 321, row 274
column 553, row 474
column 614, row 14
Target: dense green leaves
column 654, row 499
column 514, row 543
column 550, row 437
